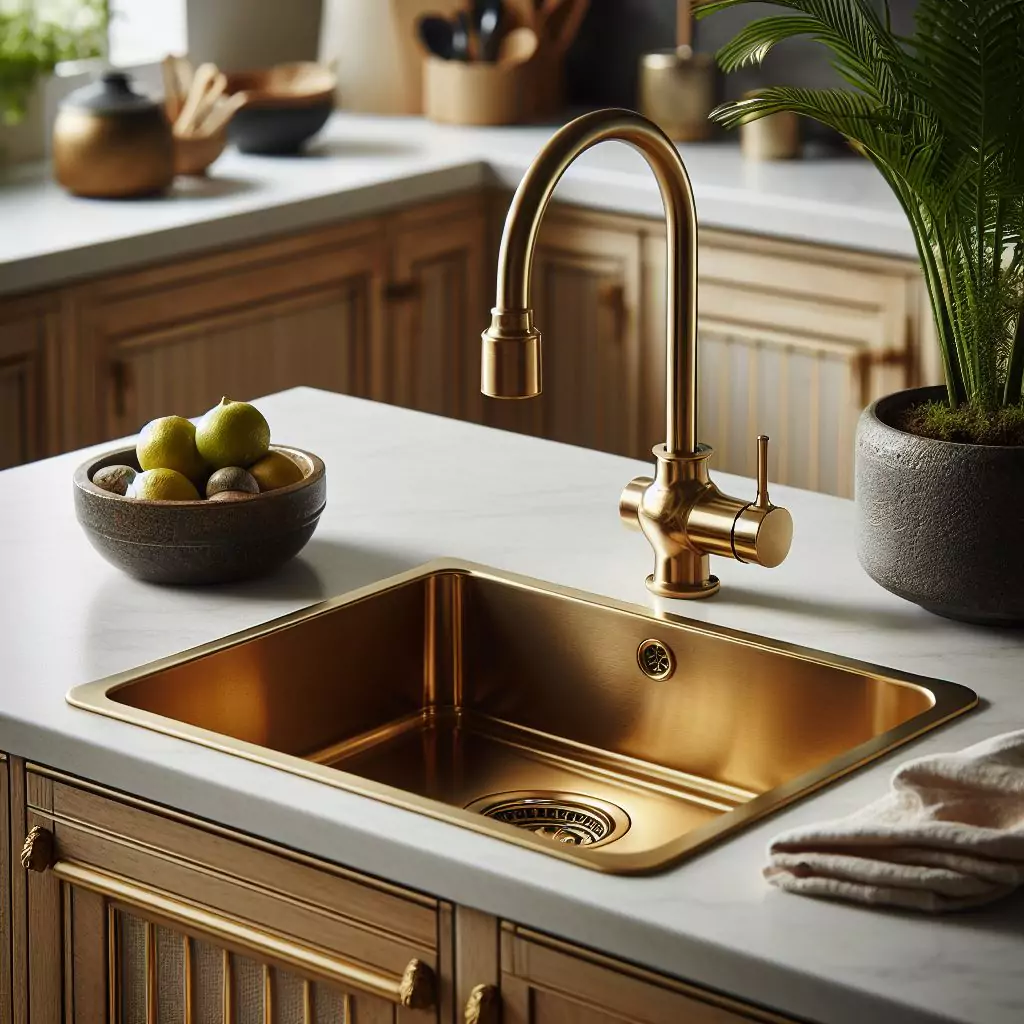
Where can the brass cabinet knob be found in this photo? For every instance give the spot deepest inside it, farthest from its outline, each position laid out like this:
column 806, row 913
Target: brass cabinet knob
column 418, row 988
column 37, row 852
column 483, row 1005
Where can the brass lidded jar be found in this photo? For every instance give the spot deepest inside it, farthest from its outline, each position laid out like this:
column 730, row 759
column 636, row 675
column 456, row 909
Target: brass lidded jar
column 112, row 142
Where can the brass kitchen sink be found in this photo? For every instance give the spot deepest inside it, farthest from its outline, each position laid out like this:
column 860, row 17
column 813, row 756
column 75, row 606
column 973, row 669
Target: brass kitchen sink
column 574, row 725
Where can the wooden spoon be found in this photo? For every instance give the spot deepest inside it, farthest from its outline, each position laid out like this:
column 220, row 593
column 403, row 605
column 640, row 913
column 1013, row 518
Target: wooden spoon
column 560, row 22
column 517, row 47
column 204, row 79
column 224, row 108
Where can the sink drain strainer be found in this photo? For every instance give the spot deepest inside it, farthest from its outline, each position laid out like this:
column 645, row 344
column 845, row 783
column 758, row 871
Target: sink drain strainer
column 569, row 818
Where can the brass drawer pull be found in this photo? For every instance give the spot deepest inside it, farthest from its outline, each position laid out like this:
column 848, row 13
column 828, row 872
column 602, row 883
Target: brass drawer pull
column 415, row 988
column 483, row 1005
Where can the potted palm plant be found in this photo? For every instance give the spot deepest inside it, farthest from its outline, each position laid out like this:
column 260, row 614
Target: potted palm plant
column 939, row 470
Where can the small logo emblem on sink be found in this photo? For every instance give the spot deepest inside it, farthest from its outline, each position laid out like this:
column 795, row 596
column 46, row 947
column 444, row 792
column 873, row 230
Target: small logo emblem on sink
column 655, row 659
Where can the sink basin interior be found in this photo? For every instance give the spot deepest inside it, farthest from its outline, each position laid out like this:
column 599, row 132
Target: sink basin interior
column 610, row 737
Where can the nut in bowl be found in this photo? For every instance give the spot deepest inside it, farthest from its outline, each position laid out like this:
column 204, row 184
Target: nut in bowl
column 199, row 541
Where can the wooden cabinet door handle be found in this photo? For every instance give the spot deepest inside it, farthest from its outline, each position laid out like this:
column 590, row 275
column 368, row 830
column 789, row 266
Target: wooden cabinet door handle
column 415, row 988
column 401, row 291
column 483, row 1005
column 119, row 379
column 865, row 360
column 612, row 295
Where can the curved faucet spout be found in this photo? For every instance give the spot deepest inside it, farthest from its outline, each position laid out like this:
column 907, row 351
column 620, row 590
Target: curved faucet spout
column 680, row 511
column 512, row 345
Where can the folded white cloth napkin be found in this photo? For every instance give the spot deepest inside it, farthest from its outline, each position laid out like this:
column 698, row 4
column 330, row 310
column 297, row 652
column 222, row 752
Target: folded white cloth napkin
column 950, row 835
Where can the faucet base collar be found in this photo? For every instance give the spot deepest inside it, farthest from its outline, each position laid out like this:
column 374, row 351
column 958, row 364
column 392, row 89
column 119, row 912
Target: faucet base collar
column 684, row 591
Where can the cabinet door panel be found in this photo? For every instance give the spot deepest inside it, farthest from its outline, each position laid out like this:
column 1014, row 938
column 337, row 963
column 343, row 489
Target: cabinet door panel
column 586, row 294
column 319, row 341
column 302, row 310
column 138, row 918
column 27, row 338
column 546, row 981
column 793, row 342
column 436, row 311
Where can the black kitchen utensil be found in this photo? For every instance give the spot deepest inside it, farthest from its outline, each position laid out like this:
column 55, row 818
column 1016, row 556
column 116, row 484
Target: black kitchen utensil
column 488, row 16
column 460, row 36
column 437, row 35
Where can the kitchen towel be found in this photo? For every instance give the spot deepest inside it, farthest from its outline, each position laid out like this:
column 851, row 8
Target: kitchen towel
column 949, row 835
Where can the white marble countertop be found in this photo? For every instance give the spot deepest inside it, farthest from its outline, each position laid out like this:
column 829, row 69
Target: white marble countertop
column 362, row 165
column 549, row 511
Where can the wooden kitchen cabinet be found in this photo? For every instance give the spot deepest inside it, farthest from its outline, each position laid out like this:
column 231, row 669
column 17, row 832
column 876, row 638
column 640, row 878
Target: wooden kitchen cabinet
column 28, row 365
column 436, row 309
column 129, row 913
column 586, row 293
column 794, row 340
column 6, row 980
column 546, row 981
column 136, row 915
column 174, row 339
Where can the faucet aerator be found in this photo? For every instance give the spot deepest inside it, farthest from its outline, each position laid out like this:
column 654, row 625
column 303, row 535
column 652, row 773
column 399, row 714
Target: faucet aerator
column 510, row 364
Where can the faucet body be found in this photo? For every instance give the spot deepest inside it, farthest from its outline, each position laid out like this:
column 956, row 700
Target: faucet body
column 681, row 512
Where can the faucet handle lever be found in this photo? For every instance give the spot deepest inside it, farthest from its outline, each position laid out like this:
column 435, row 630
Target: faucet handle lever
column 762, row 472
column 762, row 532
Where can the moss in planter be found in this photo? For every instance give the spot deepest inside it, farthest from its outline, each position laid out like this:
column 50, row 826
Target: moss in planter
column 967, row 424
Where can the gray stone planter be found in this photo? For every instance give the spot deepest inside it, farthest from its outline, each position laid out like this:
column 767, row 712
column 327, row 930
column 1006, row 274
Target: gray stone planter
column 940, row 523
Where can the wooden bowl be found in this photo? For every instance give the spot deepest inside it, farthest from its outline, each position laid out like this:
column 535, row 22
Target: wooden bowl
column 197, row 542
column 300, row 83
column 193, row 154
column 285, row 106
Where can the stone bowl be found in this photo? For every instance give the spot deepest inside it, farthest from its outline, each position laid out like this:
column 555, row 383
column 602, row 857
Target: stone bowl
column 199, row 542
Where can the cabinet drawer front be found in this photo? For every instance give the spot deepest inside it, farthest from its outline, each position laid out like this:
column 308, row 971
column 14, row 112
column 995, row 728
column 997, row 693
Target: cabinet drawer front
column 153, row 907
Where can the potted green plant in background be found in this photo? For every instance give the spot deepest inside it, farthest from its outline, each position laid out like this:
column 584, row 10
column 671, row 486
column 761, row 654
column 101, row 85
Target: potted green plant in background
column 34, row 38
column 940, row 470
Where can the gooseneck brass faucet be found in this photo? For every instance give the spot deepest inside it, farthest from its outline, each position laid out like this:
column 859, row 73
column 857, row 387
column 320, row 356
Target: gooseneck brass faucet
column 680, row 510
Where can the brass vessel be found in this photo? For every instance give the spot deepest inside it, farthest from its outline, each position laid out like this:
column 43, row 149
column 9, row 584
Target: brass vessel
column 111, row 142
column 577, row 726
column 681, row 512
column 677, row 89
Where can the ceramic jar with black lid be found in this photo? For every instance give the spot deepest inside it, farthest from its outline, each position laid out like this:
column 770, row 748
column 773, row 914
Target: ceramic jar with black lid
column 110, row 141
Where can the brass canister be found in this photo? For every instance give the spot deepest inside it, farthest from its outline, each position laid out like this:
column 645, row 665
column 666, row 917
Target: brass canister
column 677, row 91
column 112, row 142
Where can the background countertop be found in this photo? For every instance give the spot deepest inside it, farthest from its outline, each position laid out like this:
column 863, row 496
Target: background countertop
column 550, row 511
column 363, row 165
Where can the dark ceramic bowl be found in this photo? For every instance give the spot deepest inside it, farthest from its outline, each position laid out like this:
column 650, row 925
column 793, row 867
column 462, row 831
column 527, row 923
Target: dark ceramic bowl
column 275, row 130
column 200, row 541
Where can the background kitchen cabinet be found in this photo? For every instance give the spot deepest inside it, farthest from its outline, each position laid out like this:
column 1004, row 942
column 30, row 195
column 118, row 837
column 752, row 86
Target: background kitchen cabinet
column 436, row 309
column 586, row 293
column 137, row 916
column 302, row 310
column 28, row 354
column 794, row 341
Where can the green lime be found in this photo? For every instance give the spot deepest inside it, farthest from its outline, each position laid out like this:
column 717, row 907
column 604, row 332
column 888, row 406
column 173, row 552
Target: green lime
column 163, row 485
column 232, row 434
column 170, row 443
